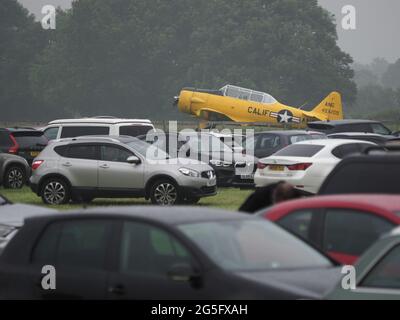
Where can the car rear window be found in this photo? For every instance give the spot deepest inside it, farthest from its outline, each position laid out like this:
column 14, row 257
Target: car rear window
column 78, row 131
column 359, row 177
column 134, row 130
column 300, row 150
column 5, row 140
column 300, row 137
column 26, row 140
column 353, row 127
column 321, row 127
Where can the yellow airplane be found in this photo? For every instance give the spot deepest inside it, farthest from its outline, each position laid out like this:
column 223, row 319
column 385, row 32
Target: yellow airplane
column 232, row 103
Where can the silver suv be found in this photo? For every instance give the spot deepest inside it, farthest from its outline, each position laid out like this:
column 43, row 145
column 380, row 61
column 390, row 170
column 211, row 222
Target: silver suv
column 85, row 168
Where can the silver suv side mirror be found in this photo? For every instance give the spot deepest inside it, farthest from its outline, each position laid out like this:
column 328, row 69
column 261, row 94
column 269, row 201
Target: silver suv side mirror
column 133, row 160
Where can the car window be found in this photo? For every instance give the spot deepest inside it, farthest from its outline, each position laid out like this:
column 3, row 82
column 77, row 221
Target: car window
column 29, row 141
column 232, row 142
column 207, row 143
column 298, row 222
column 252, row 245
column 5, row 140
column 360, row 177
column 149, row 151
column 352, row 232
column 300, row 150
column 349, row 149
column 77, row 131
column 79, row 243
column 380, row 129
column 316, row 136
column 268, row 141
column 45, row 250
column 386, row 273
column 299, row 138
column 354, row 127
column 82, row 151
column 134, row 130
column 149, row 250
column 115, row 154
column 51, row 133
column 250, row 143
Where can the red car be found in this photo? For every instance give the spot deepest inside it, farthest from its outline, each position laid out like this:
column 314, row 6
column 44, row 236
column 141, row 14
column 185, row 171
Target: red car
column 343, row 226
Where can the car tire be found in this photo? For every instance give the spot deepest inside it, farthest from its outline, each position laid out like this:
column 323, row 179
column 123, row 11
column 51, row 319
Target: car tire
column 15, row 177
column 55, row 191
column 165, row 192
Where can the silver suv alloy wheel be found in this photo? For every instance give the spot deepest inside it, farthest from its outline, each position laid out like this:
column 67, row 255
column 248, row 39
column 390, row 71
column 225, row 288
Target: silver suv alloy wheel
column 15, row 178
column 165, row 194
column 54, row 192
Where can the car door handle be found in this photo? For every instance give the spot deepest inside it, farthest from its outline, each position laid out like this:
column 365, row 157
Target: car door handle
column 118, row 289
column 67, row 164
column 104, row 166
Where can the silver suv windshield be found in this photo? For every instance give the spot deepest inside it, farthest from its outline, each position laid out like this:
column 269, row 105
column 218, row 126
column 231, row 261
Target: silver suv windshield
column 148, row 151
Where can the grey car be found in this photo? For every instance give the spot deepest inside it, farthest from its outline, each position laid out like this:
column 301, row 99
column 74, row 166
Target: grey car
column 14, row 171
column 85, row 168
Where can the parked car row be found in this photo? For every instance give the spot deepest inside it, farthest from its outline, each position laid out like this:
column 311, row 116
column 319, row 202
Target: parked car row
column 236, row 171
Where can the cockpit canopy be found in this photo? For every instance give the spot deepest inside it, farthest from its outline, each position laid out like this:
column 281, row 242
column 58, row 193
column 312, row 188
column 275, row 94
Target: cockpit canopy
column 247, row 94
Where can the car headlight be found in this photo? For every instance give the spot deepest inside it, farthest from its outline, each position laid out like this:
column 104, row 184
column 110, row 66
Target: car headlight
column 220, row 163
column 189, row 172
column 5, row 230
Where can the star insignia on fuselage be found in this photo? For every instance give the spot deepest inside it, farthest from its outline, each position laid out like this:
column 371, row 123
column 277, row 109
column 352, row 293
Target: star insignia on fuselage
column 285, row 116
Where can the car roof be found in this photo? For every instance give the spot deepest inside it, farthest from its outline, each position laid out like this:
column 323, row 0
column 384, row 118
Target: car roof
column 224, row 135
column 99, row 138
column 185, row 133
column 386, row 201
column 15, row 214
column 168, row 215
column 21, row 129
column 344, row 121
column 331, row 142
column 361, row 134
column 288, row 132
column 100, row 120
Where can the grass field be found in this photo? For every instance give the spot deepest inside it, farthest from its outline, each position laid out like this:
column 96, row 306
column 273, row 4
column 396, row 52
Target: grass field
column 226, row 198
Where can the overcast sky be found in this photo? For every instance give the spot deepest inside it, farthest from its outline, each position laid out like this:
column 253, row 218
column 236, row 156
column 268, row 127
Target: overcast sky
column 376, row 34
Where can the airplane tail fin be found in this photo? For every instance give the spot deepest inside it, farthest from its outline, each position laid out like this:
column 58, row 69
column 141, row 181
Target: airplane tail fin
column 329, row 109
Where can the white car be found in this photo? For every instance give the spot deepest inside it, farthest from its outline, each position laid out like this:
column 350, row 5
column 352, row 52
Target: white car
column 306, row 164
column 102, row 125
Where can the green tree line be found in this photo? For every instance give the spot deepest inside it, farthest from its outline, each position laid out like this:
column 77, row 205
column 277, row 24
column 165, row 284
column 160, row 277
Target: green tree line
column 130, row 57
column 378, row 94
